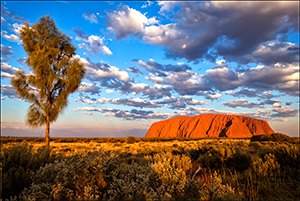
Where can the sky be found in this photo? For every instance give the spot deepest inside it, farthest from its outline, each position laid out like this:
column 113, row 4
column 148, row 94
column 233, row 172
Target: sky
column 148, row 61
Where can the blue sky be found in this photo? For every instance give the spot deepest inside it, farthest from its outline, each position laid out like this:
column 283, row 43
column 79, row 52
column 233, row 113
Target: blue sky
column 148, row 61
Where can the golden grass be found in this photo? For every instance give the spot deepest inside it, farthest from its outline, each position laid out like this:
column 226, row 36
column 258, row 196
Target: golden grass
column 68, row 148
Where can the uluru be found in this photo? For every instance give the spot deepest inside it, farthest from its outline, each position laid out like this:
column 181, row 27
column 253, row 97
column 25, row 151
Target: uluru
column 210, row 125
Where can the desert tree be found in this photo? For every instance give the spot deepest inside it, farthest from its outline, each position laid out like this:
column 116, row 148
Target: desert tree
column 55, row 73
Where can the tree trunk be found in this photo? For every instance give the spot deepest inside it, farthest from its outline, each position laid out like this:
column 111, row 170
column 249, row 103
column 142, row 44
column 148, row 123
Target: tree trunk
column 48, row 131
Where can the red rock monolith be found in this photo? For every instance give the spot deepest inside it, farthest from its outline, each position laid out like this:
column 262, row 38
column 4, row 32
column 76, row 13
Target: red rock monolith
column 210, row 125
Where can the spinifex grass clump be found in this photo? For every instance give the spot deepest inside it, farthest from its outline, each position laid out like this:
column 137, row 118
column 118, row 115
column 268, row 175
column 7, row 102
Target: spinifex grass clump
column 19, row 163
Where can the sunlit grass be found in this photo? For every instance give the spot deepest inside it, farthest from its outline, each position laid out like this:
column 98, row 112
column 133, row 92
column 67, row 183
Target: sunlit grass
column 68, row 148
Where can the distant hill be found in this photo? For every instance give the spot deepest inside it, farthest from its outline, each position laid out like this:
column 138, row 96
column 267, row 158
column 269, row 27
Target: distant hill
column 210, row 125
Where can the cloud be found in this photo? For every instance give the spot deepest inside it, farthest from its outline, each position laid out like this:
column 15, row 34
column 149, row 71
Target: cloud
column 7, row 71
column 274, row 102
column 5, row 12
column 3, row 20
column 90, row 17
column 109, row 91
column 209, row 95
column 221, row 63
column 174, row 102
column 11, row 38
column 89, row 88
column 222, row 78
column 281, row 120
column 243, row 93
column 206, row 30
column 182, row 102
column 196, row 111
column 93, row 44
column 283, row 112
column 156, row 92
column 17, row 27
column 85, row 99
column 135, row 102
column 8, row 91
column 288, row 103
column 283, row 78
column 191, row 101
column 126, row 21
column 167, row 6
column 106, row 74
column 158, row 69
column 147, row 4
column 5, row 67
column 279, row 77
column 268, row 94
column 208, row 111
column 185, row 83
column 81, row 34
column 165, row 35
column 277, row 51
column 237, row 30
column 134, row 70
column 6, row 51
column 241, row 103
column 114, row 78
column 133, row 114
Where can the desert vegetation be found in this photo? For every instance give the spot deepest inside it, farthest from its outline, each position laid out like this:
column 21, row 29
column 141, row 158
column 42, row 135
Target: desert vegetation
column 257, row 168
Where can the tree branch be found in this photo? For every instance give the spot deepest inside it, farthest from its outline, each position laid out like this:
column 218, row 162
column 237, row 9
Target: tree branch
column 32, row 88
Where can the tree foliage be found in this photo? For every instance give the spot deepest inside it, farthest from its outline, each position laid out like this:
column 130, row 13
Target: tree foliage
column 55, row 72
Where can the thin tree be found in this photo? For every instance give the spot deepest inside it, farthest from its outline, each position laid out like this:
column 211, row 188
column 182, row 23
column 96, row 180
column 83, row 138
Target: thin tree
column 55, row 73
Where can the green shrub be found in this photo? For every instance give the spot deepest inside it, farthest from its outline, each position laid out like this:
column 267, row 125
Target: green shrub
column 173, row 179
column 134, row 182
column 77, row 177
column 218, row 191
column 180, row 161
column 255, row 144
column 288, row 156
column 239, row 160
column 195, row 153
column 212, row 158
column 266, row 167
column 277, row 173
column 130, row 140
column 19, row 163
column 275, row 137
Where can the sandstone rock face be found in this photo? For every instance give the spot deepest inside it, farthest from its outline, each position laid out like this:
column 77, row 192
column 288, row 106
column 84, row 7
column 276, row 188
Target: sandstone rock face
column 210, row 125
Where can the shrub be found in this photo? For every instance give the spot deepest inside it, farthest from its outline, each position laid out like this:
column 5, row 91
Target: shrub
column 277, row 173
column 79, row 176
column 18, row 164
column 289, row 158
column 239, row 160
column 194, row 153
column 173, row 179
column 130, row 140
column 193, row 190
column 134, row 182
column 255, row 144
column 217, row 191
column 180, row 161
column 275, row 137
column 267, row 167
column 212, row 159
